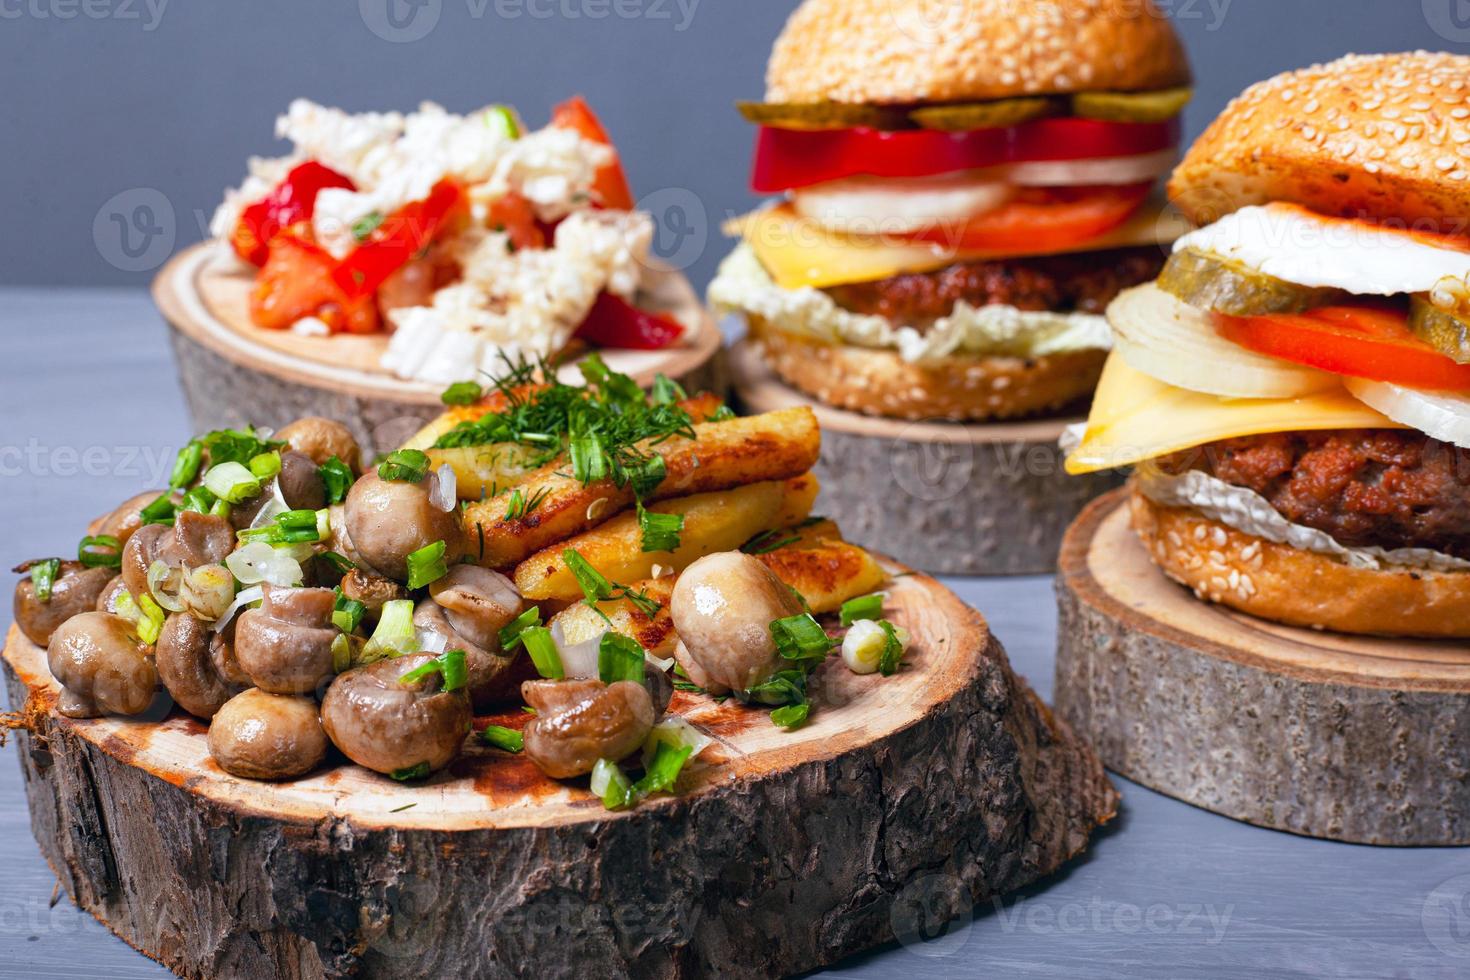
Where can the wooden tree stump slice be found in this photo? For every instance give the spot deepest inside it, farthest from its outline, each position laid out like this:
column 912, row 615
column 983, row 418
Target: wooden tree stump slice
column 234, row 372
column 950, row 498
column 782, row 852
column 1343, row 737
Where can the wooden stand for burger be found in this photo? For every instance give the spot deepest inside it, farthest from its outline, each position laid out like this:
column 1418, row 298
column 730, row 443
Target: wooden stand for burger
column 235, row 373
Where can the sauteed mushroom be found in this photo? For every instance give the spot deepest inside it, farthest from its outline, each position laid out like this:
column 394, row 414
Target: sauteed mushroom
column 193, row 540
column 372, row 591
column 391, row 727
column 300, row 484
column 75, row 589
column 285, row 646
column 256, row 735
column 469, row 607
column 128, row 516
column 186, row 668
column 320, row 439
column 579, row 722
column 723, row 606
column 388, row 520
column 115, row 589
column 98, row 657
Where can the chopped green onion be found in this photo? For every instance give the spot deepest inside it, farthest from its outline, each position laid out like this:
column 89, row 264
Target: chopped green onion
column 341, row 652
column 660, row 531
column 664, row 770
column 791, row 717
column 198, row 499
column 297, row 519
column 236, row 445
column 427, row 565
column 186, row 465
column 341, row 563
column 722, row 414
column 589, row 462
column 503, row 120
column 510, row 635
column 801, row 638
column 462, row 393
column 864, row 607
column 426, row 669
column 647, row 477
column 100, row 551
column 161, row 511
column 266, row 465
column 150, row 623
column 456, row 671
column 394, row 636
column 893, row 650
column 782, row 687
column 337, row 478
column 619, row 658
column 231, row 482
column 614, row 387
column 666, row 391
column 420, row 771
column 543, row 652
column 767, row 542
column 363, row 227
column 347, row 613
column 504, row 739
column 595, row 586
column 43, row 577
column 609, row 782
column 404, row 466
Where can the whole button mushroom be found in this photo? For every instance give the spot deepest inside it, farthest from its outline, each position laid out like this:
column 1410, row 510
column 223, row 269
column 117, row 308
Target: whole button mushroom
column 193, row 540
column 182, row 657
column 578, row 722
column 75, row 589
column 116, row 588
column 256, row 735
column 99, row 658
column 285, row 646
column 723, row 606
column 469, row 607
column 391, row 727
column 320, row 439
column 388, row 520
column 222, row 657
column 128, row 517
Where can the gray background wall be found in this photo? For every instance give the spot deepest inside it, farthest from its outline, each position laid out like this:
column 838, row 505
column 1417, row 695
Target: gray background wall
column 110, row 106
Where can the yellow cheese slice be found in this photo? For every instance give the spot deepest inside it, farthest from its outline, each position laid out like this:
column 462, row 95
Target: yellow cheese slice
column 796, row 252
column 1136, row 418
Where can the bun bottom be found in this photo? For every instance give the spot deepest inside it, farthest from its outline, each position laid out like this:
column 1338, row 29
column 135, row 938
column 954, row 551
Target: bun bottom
column 956, row 389
column 1299, row 588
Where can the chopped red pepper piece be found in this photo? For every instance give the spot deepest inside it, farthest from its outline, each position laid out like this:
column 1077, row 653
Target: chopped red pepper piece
column 610, row 189
column 291, row 201
column 516, row 216
column 402, row 235
column 614, row 322
column 296, row 282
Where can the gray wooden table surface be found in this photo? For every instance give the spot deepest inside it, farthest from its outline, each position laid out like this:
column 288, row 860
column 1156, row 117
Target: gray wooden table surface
column 91, row 414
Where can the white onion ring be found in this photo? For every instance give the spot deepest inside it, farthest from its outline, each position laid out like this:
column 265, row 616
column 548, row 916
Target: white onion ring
column 1437, row 414
column 258, row 562
column 444, row 489
column 253, row 594
column 1086, row 173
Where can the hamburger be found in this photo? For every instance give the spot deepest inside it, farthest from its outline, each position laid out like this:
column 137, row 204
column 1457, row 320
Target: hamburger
column 959, row 199
column 1294, row 389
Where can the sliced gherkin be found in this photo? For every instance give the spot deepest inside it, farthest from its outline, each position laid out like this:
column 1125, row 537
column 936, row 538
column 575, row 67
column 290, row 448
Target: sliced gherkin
column 963, row 117
column 824, row 115
column 1441, row 329
column 1210, row 282
column 1133, row 107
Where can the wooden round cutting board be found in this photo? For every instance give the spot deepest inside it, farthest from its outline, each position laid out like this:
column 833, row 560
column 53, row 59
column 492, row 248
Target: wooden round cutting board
column 1351, row 738
column 945, row 784
column 235, row 373
column 950, row 498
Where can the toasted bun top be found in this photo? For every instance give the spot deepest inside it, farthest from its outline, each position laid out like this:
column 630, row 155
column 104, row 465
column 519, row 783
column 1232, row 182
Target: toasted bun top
column 1385, row 137
column 916, row 51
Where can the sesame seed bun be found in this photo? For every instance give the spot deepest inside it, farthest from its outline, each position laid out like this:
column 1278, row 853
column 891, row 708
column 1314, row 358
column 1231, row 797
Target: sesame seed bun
column 918, row 51
column 1383, row 137
column 958, row 389
column 1299, row 588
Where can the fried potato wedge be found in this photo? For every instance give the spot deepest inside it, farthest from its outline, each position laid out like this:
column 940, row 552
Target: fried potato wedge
column 826, row 573
column 775, row 446
column 580, row 622
column 720, row 521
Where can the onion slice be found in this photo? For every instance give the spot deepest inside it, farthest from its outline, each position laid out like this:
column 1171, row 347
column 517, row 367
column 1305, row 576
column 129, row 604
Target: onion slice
column 444, row 489
column 165, row 583
column 246, row 596
column 1172, row 341
column 258, row 562
column 1438, row 414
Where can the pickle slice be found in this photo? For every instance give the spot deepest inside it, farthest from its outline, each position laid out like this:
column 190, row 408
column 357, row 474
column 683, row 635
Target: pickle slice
column 824, row 115
column 963, row 117
column 1440, row 329
column 1209, row 282
column 1132, row 107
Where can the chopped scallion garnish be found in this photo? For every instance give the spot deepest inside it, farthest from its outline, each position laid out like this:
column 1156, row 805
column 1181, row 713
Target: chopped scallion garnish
column 666, row 391
column 347, row 613
column 337, row 478
column 427, row 565
column 404, row 466
column 504, row 739
column 801, row 638
column 231, row 482
column 596, row 587
column 150, row 620
column 420, row 771
column 186, row 465
column 43, row 577
column 620, row 658
column 660, row 531
column 543, row 652
column 394, row 635
column 265, row 465
column 791, row 717
column 160, row 511
column 510, row 635
column 663, row 771
column 893, row 650
column 610, row 783
column 100, row 551
column 340, row 563
column 462, row 393
column 863, row 607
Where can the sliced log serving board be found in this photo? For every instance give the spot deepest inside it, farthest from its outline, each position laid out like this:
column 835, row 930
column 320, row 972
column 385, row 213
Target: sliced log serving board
column 950, row 498
column 782, row 852
column 1349, row 738
column 235, row 373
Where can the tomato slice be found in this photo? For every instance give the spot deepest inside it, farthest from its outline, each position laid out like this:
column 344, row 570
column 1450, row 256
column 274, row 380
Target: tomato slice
column 1039, row 219
column 296, row 281
column 1370, row 341
column 786, row 159
column 611, row 187
column 517, row 217
column 614, row 322
column 402, row 235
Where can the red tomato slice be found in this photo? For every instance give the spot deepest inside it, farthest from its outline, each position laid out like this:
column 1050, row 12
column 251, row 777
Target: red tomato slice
column 614, row 322
column 517, row 217
column 296, row 281
column 611, row 187
column 402, row 235
column 786, row 159
column 1039, row 219
column 1368, row 341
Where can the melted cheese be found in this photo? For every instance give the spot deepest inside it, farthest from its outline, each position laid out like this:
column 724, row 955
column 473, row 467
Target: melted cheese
column 1137, row 418
column 797, row 252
